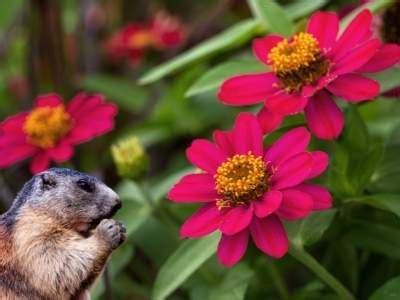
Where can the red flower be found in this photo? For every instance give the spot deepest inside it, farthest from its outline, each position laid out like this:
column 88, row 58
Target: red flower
column 129, row 43
column 309, row 67
column 247, row 189
column 51, row 129
column 167, row 31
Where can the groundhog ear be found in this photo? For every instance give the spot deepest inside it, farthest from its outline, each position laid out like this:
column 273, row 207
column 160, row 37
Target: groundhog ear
column 48, row 181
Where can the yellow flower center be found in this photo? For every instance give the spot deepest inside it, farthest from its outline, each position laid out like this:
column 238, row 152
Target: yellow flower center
column 241, row 179
column 140, row 39
column 298, row 62
column 46, row 125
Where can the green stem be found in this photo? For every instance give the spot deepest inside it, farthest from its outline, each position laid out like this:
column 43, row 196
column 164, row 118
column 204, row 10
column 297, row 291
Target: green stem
column 278, row 281
column 310, row 262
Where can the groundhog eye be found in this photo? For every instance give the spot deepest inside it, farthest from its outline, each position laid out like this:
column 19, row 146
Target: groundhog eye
column 85, row 185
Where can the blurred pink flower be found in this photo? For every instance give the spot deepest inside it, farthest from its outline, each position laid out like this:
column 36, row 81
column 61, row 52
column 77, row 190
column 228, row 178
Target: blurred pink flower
column 311, row 64
column 246, row 189
column 50, row 130
column 167, row 31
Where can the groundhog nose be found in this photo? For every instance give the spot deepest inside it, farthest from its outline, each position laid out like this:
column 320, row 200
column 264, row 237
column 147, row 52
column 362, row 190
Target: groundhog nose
column 118, row 204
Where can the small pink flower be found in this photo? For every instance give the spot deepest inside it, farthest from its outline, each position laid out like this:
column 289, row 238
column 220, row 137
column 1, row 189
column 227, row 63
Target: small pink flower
column 167, row 31
column 129, row 43
column 246, row 189
column 50, row 130
column 311, row 66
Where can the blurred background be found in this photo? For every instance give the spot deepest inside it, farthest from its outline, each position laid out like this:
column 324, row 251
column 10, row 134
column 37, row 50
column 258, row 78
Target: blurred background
column 161, row 62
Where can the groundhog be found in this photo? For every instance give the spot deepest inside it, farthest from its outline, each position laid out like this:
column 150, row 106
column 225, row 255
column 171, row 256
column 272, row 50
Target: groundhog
column 56, row 237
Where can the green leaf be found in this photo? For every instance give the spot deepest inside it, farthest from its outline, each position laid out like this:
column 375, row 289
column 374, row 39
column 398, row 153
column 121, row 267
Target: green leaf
column 355, row 134
column 388, row 79
column 230, row 38
column 213, row 78
column 389, row 202
column 375, row 237
column 190, row 255
column 122, row 91
column 272, row 15
column 301, row 8
column 310, row 230
column 389, row 291
column 234, row 285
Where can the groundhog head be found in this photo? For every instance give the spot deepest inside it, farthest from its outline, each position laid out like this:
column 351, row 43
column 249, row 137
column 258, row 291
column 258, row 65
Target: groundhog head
column 76, row 199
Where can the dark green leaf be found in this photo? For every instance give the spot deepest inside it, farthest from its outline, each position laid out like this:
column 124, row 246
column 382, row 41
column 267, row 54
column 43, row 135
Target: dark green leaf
column 389, row 202
column 234, row 285
column 389, row 291
column 310, row 229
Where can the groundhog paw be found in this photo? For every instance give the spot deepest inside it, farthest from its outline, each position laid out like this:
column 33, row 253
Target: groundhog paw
column 112, row 231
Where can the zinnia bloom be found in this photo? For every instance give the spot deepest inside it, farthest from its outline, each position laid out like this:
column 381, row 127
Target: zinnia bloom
column 50, row 130
column 129, row 43
column 246, row 189
column 167, row 31
column 307, row 68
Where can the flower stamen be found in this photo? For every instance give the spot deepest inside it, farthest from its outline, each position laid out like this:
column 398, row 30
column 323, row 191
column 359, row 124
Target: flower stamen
column 298, row 62
column 45, row 126
column 241, row 179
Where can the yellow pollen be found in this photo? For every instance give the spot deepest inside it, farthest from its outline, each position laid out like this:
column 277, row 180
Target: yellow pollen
column 241, row 179
column 288, row 56
column 140, row 39
column 46, row 125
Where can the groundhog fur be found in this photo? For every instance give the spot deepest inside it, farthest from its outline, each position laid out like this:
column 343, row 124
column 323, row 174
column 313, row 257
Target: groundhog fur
column 56, row 237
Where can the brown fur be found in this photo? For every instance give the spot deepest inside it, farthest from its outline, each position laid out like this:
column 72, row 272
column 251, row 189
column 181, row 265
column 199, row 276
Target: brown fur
column 43, row 255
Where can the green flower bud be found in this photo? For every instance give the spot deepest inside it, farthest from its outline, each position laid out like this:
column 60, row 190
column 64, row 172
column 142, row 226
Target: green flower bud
column 130, row 157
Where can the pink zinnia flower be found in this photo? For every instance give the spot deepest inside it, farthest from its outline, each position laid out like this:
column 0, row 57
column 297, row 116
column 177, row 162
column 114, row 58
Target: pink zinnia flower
column 129, row 43
column 247, row 189
column 311, row 66
column 50, row 130
column 167, row 31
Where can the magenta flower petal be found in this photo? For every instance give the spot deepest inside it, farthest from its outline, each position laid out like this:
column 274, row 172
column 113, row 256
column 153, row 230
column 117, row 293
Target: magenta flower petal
column 324, row 117
column 357, row 31
column 354, row 87
column 206, row 220
column 247, row 135
column 324, row 27
column 14, row 153
column 356, row 57
column 194, row 188
column 269, row 120
column 268, row 204
column 61, row 152
column 48, row 100
column 237, row 219
column 205, row 155
column 289, row 144
column 295, row 205
column 320, row 163
column 262, row 46
column 231, row 248
column 247, row 89
column 384, row 58
column 13, row 124
column 322, row 199
column 39, row 162
column 224, row 141
column 293, row 171
column 269, row 236
column 285, row 104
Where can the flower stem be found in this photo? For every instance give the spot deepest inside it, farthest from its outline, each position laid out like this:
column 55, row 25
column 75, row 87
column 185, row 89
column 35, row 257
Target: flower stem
column 310, row 262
